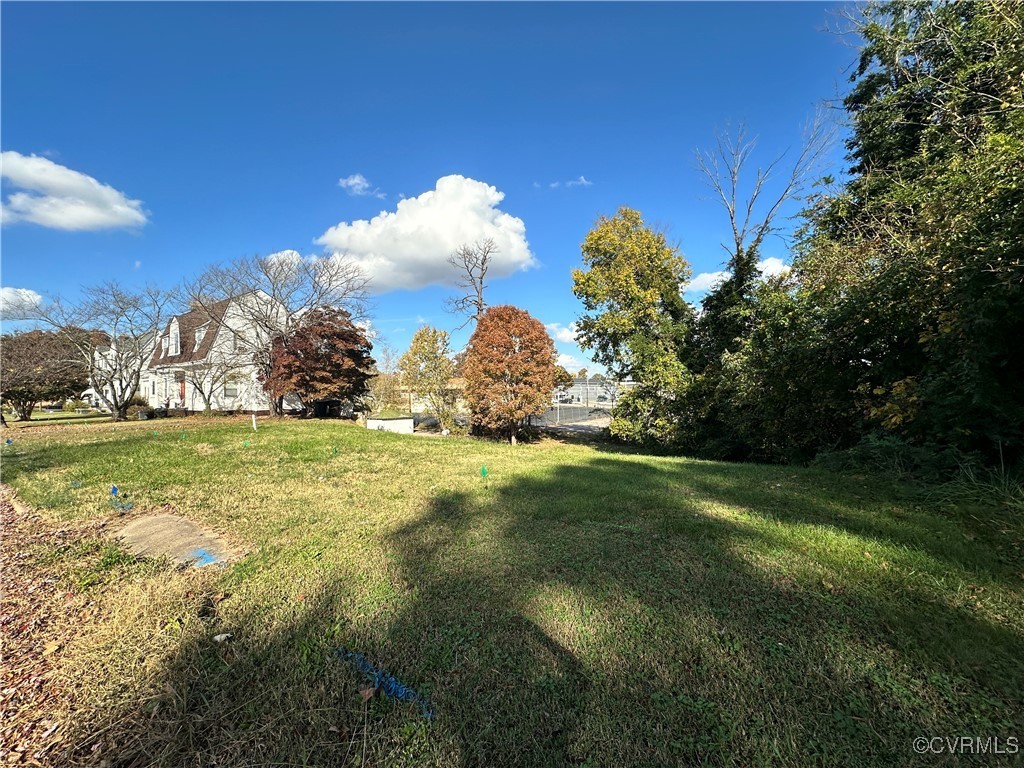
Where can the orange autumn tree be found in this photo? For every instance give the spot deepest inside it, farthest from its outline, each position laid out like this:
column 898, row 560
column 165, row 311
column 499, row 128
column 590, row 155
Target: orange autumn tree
column 510, row 370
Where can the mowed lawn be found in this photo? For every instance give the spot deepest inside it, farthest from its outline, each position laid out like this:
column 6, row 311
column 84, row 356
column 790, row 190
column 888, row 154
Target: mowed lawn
column 582, row 605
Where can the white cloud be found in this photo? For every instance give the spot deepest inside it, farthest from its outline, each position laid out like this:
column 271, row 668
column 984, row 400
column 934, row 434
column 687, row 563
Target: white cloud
column 773, row 266
column 409, row 247
column 359, row 186
column 566, row 335
column 571, row 363
column 706, row 281
column 580, row 182
column 286, row 257
column 53, row 196
column 18, row 303
column 366, row 326
column 138, row 264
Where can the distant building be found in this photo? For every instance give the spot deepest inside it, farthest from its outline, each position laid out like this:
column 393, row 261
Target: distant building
column 593, row 391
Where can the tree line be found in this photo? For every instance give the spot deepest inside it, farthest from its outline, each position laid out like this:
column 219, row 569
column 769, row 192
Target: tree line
column 296, row 322
column 897, row 331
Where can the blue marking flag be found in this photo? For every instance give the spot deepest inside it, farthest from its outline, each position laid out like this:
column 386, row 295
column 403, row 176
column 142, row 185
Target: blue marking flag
column 388, row 684
column 116, row 503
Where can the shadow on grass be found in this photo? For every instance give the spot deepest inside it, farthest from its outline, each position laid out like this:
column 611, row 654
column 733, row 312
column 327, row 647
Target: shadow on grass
column 609, row 613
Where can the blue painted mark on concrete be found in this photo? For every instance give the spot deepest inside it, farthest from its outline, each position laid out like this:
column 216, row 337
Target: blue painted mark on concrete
column 202, row 557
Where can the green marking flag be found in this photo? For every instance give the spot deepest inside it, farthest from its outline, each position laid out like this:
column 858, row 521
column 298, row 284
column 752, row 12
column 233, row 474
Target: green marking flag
column 154, row 433
column 182, row 435
column 245, row 444
column 483, row 471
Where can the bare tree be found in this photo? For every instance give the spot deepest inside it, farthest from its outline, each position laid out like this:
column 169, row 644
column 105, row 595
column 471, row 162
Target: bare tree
column 752, row 210
column 113, row 331
column 386, row 385
column 271, row 294
column 472, row 262
column 215, row 372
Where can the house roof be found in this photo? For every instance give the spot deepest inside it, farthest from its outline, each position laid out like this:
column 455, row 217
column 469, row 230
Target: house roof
column 188, row 324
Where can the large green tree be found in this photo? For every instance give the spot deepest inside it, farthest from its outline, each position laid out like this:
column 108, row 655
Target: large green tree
column 917, row 264
column 636, row 322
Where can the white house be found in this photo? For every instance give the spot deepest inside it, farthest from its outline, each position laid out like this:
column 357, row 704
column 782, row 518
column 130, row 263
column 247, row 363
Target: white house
column 117, row 367
column 203, row 359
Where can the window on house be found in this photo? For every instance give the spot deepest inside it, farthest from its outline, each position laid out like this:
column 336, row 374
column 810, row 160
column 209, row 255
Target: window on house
column 152, row 387
column 200, row 332
column 163, row 342
column 230, row 389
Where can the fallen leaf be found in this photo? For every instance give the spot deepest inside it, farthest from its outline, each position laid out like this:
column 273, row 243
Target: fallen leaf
column 50, row 648
column 367, row 691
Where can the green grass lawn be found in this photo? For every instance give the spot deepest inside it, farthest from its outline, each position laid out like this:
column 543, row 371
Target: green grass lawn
column 43, row 418
column 584, row 605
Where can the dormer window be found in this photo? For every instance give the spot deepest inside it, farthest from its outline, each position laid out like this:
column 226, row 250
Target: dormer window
column 200, row 332
column 163, row 344
column 175, row 345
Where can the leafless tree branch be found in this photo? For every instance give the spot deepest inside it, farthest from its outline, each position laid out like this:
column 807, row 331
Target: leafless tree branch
column 472, row 262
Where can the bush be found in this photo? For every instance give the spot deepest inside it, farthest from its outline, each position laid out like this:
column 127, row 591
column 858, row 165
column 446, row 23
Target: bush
column 74, row 405
column 139, row 400
column 888, row 454
column 140, row 412
column 987, row 487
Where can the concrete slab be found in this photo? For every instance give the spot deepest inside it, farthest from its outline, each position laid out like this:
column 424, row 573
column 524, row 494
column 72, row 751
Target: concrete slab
column 181, row 540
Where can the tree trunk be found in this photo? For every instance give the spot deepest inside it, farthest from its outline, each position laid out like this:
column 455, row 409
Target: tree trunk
column 24, row 409
column 206, row 399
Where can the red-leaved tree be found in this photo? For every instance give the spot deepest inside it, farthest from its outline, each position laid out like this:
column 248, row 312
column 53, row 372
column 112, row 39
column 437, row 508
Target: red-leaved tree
column 323, row 356
column 510, row 370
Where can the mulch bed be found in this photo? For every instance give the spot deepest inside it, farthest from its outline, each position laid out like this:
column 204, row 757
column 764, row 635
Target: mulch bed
column 38, row 615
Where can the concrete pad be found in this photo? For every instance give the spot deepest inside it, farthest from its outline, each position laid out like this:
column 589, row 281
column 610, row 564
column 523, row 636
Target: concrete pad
column 181, row 540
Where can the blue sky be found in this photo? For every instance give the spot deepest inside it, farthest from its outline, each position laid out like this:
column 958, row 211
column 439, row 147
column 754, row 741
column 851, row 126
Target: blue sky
column 168, row 136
